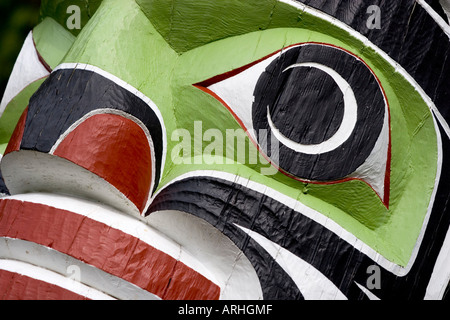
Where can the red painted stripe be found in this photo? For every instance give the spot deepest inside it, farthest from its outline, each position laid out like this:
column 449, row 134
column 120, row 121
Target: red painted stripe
column 116, row 149
column 14, row 286
column 106, row 248
column 16, row 137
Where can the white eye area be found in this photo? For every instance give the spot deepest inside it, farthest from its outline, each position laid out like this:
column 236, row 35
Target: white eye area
column 323, row 106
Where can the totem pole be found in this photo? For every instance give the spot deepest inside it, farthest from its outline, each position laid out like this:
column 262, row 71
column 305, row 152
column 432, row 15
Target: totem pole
column 233, row 149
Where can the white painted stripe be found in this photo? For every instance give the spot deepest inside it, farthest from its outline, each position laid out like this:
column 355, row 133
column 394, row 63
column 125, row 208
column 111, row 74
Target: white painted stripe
column 311, row 282
column 235, row 274
column 134, row 226
column 131, row 89
column 182, row 236
column 373, row 170
column 27, row 69
column 436, row 17
column 63, row 264
column 48, row 276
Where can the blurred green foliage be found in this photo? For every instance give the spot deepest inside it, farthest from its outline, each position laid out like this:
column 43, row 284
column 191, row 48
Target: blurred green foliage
column 17, row 18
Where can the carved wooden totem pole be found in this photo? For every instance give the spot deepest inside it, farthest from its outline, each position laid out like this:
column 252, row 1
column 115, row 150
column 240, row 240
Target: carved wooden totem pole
column 233, row 149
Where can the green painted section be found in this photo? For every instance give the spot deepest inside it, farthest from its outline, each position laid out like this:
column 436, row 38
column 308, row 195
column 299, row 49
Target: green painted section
column 353, row 204
column 52, row 41
column 13, row 112
column 190, row 41
column 58, row 10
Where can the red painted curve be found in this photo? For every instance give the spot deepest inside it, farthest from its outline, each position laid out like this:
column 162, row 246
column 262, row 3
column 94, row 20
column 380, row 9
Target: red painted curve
column 114, row 148
column 106, row 248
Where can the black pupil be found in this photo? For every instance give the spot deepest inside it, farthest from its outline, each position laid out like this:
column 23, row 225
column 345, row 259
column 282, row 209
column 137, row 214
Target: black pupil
column 308, row 106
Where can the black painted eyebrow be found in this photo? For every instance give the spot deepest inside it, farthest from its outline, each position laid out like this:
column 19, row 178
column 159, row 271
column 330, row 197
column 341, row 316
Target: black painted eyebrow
column 70, row 94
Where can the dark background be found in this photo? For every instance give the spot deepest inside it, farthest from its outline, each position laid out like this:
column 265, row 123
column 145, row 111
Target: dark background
column 17, row 18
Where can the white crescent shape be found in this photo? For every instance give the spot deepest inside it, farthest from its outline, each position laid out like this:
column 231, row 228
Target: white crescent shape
column 367, row 292
column 311, row 282
column 346, row 127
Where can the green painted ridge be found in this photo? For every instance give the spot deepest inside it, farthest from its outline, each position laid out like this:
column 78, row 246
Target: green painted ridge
column 189, row 24
column 52, row 41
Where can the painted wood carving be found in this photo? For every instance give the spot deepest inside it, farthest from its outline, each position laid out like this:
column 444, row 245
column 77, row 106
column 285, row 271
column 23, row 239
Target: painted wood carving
column 232, row 149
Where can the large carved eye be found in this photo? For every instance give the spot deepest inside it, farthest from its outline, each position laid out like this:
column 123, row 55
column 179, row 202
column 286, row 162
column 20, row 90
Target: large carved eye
column 324, row 109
